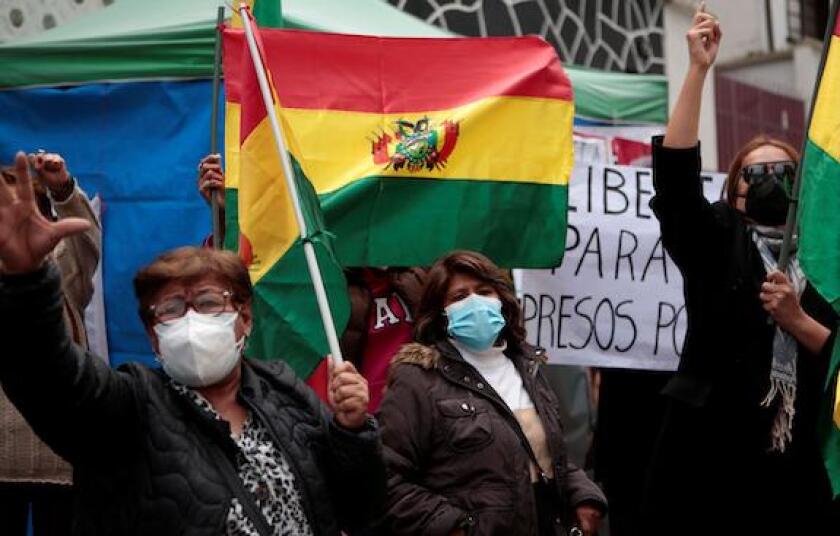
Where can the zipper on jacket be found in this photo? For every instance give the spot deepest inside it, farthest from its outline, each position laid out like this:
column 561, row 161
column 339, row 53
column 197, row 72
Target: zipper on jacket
column 491, row 395
column 301, row 483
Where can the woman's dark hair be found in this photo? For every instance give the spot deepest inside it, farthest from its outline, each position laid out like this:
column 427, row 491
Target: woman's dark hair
column 734, row 173
column 430, row 323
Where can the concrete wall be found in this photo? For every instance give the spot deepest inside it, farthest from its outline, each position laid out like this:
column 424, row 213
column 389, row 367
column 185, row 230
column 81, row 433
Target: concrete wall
column 745, row 55
column 21, row 18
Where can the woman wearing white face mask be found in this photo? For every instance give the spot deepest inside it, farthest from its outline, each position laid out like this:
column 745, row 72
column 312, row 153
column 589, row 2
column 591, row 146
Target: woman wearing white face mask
column 213, row 444
column 471, row 429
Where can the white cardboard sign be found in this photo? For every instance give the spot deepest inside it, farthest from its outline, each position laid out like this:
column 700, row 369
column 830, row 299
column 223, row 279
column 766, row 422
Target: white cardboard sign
column 616, row 301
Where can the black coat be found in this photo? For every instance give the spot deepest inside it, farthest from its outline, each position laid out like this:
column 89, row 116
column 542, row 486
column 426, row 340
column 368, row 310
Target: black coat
column 146, row 460
column 713, row 450
column 455, row 452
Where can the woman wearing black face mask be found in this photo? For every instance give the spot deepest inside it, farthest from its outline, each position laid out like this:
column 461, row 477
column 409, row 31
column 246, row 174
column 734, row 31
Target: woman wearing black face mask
column 740, row 431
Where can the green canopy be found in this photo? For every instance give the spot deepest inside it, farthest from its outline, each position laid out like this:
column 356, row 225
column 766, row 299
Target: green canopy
column 158, row 39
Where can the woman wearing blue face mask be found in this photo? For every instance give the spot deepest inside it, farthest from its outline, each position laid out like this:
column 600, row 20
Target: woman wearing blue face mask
column 471, row 429
column 212, row 444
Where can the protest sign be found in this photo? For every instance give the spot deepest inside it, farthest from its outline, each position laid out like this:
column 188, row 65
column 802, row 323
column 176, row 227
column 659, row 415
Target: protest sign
column 616, row 301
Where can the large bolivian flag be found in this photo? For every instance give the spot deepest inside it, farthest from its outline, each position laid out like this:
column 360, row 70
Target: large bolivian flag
column 420, row 146
column 287, row 323
column 819, row 242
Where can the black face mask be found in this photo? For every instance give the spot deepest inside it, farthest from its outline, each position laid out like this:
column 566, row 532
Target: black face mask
column 767, row 202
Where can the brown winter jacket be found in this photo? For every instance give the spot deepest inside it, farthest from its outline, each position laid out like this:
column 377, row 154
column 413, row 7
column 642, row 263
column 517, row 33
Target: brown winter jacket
column 455, row 453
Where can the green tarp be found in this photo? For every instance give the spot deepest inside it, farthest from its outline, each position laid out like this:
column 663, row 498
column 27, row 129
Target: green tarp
column 159, row 39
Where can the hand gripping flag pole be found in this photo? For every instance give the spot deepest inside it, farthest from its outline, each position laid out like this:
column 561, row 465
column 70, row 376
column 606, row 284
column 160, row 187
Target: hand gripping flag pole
column 288, row 172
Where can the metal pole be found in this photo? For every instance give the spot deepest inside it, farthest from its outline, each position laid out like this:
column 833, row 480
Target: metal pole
column 311, row 260
column 214, row 127
column 793, row 207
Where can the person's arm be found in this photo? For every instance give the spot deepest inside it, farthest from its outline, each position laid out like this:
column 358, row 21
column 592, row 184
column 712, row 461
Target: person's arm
column 780, row 301
column 406, row 415
column 81, row 252
column 78, row 258
column 703, row 42
column 211, row 182
column 586, row 498
column 72, row 400
column 687, row 219
column 356, row 472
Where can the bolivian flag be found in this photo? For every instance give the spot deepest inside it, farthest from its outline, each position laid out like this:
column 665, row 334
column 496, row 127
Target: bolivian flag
column 287, row 323
column 819, row 241
column 416, row 147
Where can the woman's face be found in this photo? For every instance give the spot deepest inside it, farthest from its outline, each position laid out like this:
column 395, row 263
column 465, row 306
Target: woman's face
column 760, row 155
column 462, row 285
column 190, row 290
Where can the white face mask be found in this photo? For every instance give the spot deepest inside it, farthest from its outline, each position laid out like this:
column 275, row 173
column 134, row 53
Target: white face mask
column 199, row 349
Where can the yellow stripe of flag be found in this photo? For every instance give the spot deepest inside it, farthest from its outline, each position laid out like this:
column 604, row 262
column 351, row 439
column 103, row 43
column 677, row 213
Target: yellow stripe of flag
column 513, row 139
column 825, row 122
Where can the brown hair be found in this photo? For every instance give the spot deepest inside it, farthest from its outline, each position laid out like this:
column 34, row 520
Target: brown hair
column 187, row 264
column 734, row 173
column 430, row 323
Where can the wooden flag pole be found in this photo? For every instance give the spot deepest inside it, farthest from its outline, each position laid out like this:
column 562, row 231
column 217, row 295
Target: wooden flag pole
column 793, row 207
column 214, row 127
column 288, row 172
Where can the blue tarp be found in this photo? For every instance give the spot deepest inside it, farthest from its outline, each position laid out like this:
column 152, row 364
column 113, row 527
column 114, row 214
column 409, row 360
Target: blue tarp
column 137, row 146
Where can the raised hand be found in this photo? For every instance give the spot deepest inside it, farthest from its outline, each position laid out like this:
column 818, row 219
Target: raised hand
column 51, row 169
column 26, row 237
column 211, row 178
column 703, row 38
column 348, row 394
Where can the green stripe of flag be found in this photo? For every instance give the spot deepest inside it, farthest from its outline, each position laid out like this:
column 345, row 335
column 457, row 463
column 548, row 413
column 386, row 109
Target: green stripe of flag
column 381, row 221
column 819, row 242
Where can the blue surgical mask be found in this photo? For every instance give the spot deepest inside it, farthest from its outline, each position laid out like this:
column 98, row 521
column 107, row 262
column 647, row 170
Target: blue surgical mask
column 475, row 321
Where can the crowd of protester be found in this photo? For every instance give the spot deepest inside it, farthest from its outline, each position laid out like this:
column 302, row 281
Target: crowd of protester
column 467, row 437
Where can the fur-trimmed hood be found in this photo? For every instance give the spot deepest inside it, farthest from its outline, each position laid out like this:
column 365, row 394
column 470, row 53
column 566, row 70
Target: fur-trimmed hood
column 414, row 353
column 428, row 357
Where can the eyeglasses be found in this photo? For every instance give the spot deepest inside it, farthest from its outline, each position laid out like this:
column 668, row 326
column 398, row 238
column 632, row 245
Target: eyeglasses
column 784, row 170
column 206, row 302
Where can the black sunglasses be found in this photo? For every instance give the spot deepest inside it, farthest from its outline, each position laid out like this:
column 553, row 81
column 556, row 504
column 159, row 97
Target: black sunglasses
column 785, row 169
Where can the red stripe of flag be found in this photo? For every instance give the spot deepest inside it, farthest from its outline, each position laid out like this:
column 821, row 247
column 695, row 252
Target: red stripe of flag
column 837, row 25
column 232, row 62
column 250, row 96
column 313, row 70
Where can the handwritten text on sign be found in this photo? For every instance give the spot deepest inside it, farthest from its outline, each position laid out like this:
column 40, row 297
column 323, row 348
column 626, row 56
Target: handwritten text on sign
column 617, row 299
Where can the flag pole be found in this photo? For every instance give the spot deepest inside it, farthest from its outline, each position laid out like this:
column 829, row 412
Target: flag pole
column 793, row 206
column 214, row 127
column 309, row 250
